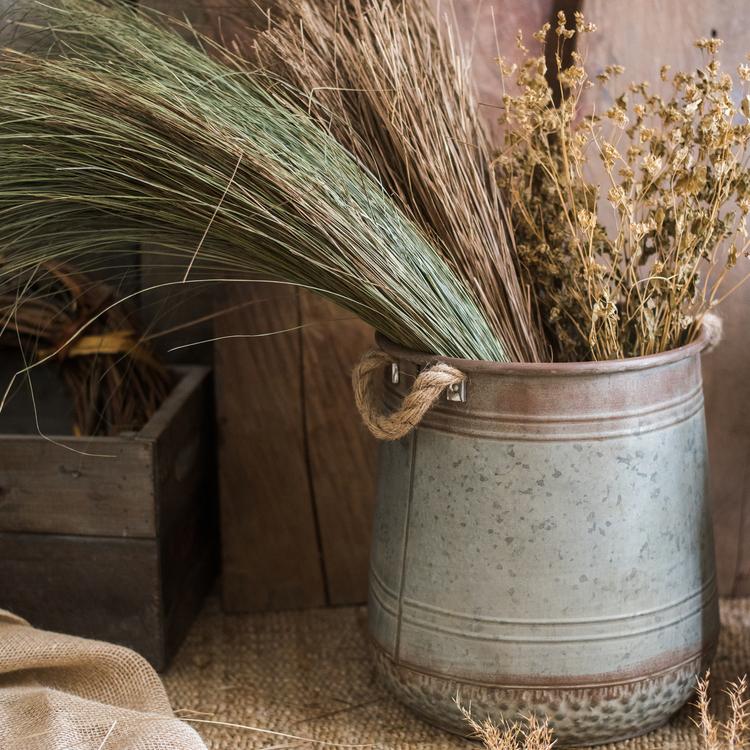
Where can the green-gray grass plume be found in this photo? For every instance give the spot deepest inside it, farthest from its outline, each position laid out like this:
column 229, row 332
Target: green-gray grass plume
column 125, row 132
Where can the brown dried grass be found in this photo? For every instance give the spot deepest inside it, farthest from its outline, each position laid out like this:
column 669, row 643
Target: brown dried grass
column 394, row 89
column 628, row 263
column 530, row 733
column 733, row 733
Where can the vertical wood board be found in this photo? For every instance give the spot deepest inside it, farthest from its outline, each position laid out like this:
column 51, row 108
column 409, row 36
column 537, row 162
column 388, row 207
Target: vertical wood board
column 270, row 552
column 341, row 451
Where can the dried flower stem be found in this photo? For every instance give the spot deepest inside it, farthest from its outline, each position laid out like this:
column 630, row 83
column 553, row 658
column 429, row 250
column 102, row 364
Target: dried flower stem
column 676, row 197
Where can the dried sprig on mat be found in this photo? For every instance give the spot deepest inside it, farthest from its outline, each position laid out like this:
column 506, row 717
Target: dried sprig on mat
column 114, row 380
column 676, row 190
column 732, row 734
column 396, row 92
column 129, row 133
column 528, row 734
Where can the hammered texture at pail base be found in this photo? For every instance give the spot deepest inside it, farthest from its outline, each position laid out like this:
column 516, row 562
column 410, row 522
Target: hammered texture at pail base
column 546, row 546
column 605, row 713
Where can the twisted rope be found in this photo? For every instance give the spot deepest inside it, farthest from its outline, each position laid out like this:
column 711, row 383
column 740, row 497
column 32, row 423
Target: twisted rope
column 427, row 389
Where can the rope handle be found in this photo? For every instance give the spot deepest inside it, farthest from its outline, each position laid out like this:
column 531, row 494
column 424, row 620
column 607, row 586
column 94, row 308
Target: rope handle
column 427, row 389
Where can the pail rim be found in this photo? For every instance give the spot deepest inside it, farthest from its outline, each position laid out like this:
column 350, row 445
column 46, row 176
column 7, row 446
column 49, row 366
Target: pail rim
column 609, row 366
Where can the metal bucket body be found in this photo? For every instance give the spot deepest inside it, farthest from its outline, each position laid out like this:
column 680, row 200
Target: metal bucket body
column 546, row 546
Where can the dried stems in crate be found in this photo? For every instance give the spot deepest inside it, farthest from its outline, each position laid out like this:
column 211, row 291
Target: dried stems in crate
column 113, row 378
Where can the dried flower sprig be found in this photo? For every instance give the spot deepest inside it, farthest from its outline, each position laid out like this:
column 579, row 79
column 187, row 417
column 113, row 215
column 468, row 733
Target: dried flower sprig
column 732, row 734
column 629, row 267
column 529, row 733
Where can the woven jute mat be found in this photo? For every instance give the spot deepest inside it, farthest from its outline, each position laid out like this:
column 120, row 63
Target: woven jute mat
column 309, row 674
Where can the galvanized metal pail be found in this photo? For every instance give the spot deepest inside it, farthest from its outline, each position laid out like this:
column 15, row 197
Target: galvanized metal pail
column 545, row 546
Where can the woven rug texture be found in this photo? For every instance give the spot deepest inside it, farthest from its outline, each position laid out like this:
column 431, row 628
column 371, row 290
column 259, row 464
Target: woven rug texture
column 309, row 674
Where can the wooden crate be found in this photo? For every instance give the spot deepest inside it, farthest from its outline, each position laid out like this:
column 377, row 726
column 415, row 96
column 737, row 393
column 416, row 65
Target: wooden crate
column 121, row 549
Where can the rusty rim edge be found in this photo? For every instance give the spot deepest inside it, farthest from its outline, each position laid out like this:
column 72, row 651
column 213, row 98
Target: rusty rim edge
column 704, row 654
column 541, row 369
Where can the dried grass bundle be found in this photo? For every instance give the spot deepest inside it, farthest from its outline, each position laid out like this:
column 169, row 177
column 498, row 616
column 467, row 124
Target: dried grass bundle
column 114, row 380
column 128, row 133
column 396, row 92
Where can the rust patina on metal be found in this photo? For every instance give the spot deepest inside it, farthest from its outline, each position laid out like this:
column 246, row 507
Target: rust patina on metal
column 546, row 546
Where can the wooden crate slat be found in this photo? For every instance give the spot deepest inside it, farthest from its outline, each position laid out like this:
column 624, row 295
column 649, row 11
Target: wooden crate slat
column 46, row 489
column 99, row 587
column 183, row 444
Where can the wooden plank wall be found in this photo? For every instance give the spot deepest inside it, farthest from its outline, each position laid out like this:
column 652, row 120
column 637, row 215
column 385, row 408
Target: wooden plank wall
column 296, row 467
column 667, row 37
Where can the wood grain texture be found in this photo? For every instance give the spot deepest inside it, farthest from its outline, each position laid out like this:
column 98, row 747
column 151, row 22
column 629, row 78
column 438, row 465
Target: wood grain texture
column 131, row 592
column 89, row 586
column 183, row 444
column 341, row 451
column 623, row 37
column 113, row 493
column 270, row 553
column 47, row 489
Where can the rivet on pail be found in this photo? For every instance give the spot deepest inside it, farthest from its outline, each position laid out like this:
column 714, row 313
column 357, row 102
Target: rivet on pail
column 395, row 375
column 456, row 392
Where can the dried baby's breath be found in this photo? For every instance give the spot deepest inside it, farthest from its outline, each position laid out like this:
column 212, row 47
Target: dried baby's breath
column 631, row 266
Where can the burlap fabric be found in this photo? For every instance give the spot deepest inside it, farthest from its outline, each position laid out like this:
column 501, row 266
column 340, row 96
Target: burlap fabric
column 309, row 674
column 58, row 692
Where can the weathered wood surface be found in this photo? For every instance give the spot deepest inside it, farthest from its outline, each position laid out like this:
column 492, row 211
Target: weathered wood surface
column 642, row 47
column 270, row 552
column 112, row 493
column 341, row 452
column 45, row 488
column 182, row 437
column 94, row 587
column 121, row 549
column 139, row 593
